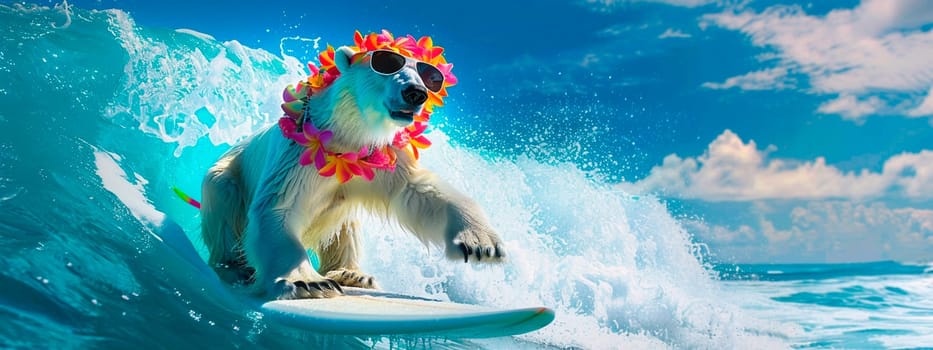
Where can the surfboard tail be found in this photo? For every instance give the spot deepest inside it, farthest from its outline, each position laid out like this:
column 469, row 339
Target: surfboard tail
column 186, row 198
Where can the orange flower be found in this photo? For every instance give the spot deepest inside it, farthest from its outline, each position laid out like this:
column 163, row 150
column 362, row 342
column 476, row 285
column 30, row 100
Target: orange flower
column 345, row 166
column 429, row 53
column 326, row 58
column 411, row 139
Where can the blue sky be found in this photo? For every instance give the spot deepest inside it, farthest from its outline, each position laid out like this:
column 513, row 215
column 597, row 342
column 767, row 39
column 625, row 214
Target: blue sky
column 778, row 131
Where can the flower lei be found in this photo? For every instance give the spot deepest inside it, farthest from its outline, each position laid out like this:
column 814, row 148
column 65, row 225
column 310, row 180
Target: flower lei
column 345, row 166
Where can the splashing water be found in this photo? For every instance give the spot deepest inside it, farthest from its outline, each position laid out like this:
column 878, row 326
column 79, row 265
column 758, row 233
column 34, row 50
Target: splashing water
column 125, row 112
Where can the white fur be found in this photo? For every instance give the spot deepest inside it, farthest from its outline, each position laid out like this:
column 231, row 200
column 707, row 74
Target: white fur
column 261, row 210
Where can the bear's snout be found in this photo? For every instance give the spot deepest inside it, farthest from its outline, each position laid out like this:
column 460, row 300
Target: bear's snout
column 414, row 94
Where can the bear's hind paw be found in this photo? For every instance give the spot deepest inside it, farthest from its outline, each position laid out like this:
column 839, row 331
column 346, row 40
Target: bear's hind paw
column 326, row 288
column 352, row 278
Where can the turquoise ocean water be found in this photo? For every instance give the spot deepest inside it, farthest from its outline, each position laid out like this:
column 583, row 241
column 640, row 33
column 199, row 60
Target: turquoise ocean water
column 100, row 117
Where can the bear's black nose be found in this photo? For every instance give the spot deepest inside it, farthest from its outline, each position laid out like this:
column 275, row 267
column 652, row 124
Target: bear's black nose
column 415, row 95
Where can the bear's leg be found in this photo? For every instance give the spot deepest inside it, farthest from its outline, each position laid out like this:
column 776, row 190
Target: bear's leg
column 283, row 270
column 223, row 215
column 437, row 213
column 339, row 258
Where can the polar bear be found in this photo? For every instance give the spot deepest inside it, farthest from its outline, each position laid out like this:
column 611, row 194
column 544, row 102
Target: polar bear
column 261, row 209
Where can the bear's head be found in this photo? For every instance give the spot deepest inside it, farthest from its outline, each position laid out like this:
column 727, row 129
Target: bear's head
column 365, row 102
column 380, row 101
column 397, row 96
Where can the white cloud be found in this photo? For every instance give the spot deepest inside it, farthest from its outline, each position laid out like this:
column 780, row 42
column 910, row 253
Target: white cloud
column 768, row 79
column 614, row 31
column 826, row 231
column 613, row 5
column 851, row 108
column 912, row 173
column 925, row 108
column 873, row 49
column 732, row 170
column 674, row 33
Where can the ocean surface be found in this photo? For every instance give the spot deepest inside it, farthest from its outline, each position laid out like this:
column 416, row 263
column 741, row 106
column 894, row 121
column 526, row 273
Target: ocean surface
column 101, row 116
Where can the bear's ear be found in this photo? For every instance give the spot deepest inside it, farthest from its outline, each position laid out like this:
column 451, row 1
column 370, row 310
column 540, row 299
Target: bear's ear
column 342, row 58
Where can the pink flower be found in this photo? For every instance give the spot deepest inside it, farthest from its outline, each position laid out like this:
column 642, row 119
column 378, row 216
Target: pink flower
column 449, row 77
column 288, row 126
column 314, row 141
column 383, row 159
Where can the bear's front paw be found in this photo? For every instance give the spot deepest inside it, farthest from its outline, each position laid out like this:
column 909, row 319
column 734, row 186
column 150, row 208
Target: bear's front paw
column 483, row 245
column 300, row 289
column 352, row 278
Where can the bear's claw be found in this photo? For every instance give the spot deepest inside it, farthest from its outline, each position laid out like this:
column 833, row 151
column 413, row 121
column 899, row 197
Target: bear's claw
column 352, row 278
column 489, row 252
column 327, row 288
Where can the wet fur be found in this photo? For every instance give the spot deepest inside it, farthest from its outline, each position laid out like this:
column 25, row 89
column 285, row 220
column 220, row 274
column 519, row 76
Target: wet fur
column 261, row 210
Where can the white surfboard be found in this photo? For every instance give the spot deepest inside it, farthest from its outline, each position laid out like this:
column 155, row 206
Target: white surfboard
column 367, row 312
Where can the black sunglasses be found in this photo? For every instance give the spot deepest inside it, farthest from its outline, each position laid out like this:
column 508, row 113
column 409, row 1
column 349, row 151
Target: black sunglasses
column 388, row 62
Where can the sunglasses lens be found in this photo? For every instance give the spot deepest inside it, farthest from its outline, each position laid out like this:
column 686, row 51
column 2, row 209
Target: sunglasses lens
column 387, row 62
column 432, row 77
